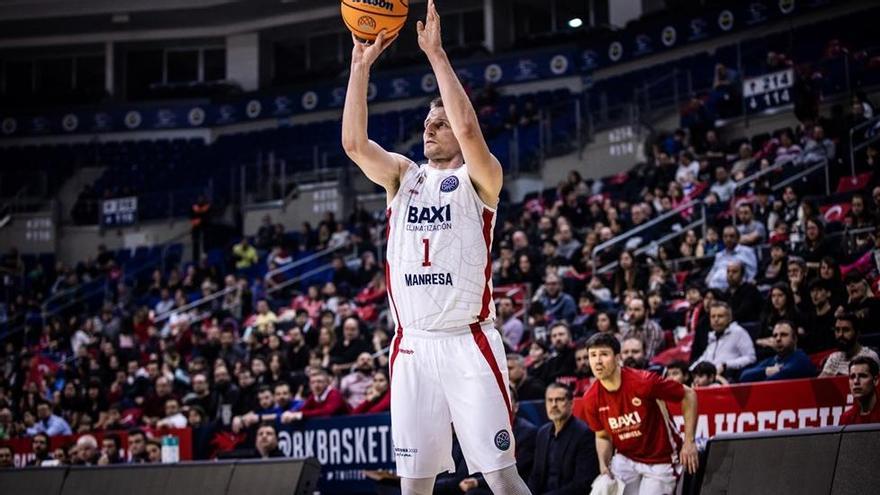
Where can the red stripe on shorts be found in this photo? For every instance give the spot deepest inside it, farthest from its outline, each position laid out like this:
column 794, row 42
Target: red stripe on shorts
column 483, row 344
column 487, row 237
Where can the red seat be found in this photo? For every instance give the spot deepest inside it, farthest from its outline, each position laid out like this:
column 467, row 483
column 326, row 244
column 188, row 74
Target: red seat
column 854, row 183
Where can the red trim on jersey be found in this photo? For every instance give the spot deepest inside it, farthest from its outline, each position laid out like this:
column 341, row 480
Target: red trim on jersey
column 486, row 350
column 399, row 334
column 487, row 237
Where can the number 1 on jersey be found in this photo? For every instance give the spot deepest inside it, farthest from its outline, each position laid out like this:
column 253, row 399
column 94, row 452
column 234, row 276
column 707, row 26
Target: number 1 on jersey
column 427, row 261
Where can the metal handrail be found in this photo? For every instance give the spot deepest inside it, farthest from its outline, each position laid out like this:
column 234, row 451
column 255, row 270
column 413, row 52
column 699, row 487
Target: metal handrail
column 804, row 173
column 300, row 262
column 852, row 151
column 198, row 302
column 650, row 223
column 299, row 278
column 655, row 243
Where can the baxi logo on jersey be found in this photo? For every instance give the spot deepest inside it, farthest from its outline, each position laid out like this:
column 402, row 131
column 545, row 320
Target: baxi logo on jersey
column 449, row 184
column 429, row 218
column 502, row 440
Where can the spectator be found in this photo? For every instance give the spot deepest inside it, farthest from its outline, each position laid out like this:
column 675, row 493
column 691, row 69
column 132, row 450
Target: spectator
column 697, row 317
column 267, row 442
column 378, row 396
column 641, row 327
column 859, row 299
column 797, row 282
column 346, row 351
column 751, row 231
column 629, row 275
column 815, row 246
column 265, row 317
column 48, row 423
column 355, row 385
column 582, row 371
column 789, row 361
column 111, row 446
column 224, row 396
column 723, row 188
column 268, row 406
column 678, row 371
column 324, row 400
column 87, row 453
column 560, row 367
column 788, row 150
column 706, row 375
column 565, row 459
column 779, row 307
column 265, row 234
column 847, row 329
column 137, row 446
column 558, row 304
column 507, row 323
column 729, row 348
column 819, row 321
column 733, row 251
column 200, row 217
column 244, row 255
column 864, row 375
column 173, row 417
column 775, row 268
column 154, row 451
column 817, row 147
column 165, row 304
column 40, row 446
column 567, row 244
column 526, row 387
column 743, row 296
column 6, row 457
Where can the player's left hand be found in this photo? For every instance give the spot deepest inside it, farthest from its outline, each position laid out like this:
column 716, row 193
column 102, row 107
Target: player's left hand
column 430, row 40
column 468, row 484
column 689, row 457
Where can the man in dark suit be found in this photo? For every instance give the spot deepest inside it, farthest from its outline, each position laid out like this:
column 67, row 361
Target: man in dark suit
column 565, row 453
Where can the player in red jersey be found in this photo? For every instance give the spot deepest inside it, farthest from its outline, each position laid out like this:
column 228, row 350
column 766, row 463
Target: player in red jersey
column 636, row 440
column 864, row 374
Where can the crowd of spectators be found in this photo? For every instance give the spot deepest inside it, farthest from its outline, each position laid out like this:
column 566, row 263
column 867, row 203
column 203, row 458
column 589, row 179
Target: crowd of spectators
column 770, row 288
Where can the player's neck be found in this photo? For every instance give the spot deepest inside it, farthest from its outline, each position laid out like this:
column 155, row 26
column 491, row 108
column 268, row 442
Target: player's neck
column 612, row 383
column 866, row 404
column 447, row 163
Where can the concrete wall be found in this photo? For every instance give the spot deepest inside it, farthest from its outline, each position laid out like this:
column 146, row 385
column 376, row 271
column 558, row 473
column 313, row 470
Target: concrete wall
column 76, row 243
column 30, row 233
column 243, row 60
column 313, row 201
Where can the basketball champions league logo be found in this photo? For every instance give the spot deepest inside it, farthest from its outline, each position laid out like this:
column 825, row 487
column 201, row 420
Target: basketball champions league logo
column 449, row 184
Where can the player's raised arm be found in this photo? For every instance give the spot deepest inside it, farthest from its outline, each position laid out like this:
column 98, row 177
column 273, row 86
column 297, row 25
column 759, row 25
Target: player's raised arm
column 380, row 166
column 483, row 167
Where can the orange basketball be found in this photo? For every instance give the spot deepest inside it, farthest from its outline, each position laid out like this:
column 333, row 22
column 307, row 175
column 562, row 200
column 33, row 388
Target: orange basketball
column 365, row 18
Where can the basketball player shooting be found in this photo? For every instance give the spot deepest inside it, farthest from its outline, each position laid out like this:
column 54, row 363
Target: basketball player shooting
column 447, row 363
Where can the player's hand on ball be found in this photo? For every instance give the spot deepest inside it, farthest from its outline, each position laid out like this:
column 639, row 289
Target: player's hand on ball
column 429, row 31
column 366, row 53
column 689, row 457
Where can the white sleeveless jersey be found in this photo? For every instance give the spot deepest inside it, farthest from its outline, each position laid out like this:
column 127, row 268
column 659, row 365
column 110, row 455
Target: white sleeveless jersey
column 438, row 264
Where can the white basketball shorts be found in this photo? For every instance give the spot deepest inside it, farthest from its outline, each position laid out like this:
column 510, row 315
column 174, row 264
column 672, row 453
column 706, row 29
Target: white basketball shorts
column 445, row 379
column 644, row 479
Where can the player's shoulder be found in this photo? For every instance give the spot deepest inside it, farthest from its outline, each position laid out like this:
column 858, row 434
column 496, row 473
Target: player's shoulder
column 592, row 393
column 631, row 377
